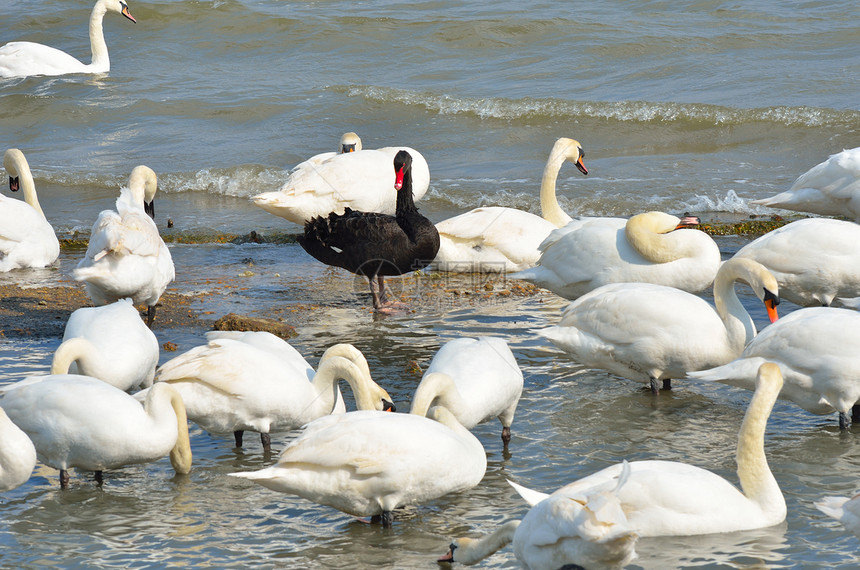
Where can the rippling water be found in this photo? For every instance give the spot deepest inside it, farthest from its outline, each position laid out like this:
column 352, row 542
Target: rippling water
column 685, row 106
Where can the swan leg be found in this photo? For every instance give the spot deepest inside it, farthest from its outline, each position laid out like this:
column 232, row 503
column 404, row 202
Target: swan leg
column 64, row 479
column 855, row 413
column 667, row 383
column 150, row 315
column 99, row 477
column 266, row 440
column 506, row 434
column 385, row 518
column 373, row 292
column 237, row 435
column 654, row 388
column 844, row 420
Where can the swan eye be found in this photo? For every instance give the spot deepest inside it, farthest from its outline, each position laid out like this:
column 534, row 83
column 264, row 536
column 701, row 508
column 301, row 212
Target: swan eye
column 581, row 153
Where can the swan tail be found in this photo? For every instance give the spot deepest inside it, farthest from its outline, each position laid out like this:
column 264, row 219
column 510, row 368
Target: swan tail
column 530, row 496
column 832, row 506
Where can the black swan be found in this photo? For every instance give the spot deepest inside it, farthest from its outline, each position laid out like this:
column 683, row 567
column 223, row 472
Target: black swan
column 375, row 245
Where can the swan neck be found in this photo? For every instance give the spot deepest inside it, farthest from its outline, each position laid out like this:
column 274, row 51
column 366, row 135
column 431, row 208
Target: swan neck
column 405, row 205
column 70, row 350
column 757, row 481
column 97, row 38
column 653, row 245
column 549, row 206
column 180, row 455
column 470, row 551
column 16, row 165
column 740, row 328
column 336, row 368
column 432, row 387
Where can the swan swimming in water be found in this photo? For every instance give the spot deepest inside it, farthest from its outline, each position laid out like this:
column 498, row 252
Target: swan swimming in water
column 27, row 239
column 126, row 256
column 498, row 239
column 23, row 59
column 355, row 178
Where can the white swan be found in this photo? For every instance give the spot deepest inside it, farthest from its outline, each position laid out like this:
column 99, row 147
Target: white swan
column 22, row 59
column 814, row 260
column 126, row 256
column 844, row 509
column 652, row 332
column 361, row 180
column 816, row 349
column 27, row 239
column 82, row 422
column 831, row 188
column 369, row 462
column 497, row 239
column 17, row 455
column 475, row 379
column 590, row 252
column 110, row 343
column 668, row 498
column 587, row 530
column 231, row 385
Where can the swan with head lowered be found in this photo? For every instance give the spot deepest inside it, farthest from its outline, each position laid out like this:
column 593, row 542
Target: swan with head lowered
column 367, row 463
column 374, row 244
column 587, row 529
column 816, row 349
column 126, row 256
column 498, row 239
column 475, row 379
column 669, row 498
column 27, row 239
column 814, row 260
column 82, row 422
column 17, row 455
column 110, row 343
column 355, row 178
column 649, row 247
column 258, row 382
column 648, row 332
column 23, row 59
column 831, row 188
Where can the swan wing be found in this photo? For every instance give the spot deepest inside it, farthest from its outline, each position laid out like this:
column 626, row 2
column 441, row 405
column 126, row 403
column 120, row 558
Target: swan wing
column 21, row 59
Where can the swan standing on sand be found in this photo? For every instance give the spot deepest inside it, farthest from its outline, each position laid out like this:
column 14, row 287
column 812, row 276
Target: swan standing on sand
column 831, row 188
column 368, row 463
column 126, row 256
column 17, row 455
column 22, row 59
column 230, row 386
column 27, row 239
column 356, row 179
column 374, row 244
column 814, row 260
column 587, row 530
column 668, row 498
column 497, row 239
column 844, row 509
column 816, row 349
column 590, row 252
column 475, row 379
column 110, row 343
column 643, row 331
column 82, row 422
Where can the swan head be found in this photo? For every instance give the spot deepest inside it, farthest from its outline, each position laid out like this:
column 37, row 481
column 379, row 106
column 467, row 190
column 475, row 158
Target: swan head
column 472, row 550
column 570, row 149
column 14, row 162
column 769, row 374
column 143, row 184
column 402, row 164
column 118, row 6
column 349, row 142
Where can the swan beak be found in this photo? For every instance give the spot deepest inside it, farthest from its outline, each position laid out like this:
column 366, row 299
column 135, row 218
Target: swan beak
column 14, row 184
column 126, row 13
column 347, row 148
column 770, row 303
column 688, row 222
column 398, row 178
column 388, row 406
column 449, row 557
column 581, row 165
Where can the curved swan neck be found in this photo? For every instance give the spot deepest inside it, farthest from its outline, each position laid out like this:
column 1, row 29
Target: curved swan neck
column 349, row 352
column 16, row 164
column 368, row 395
column 739, row 324
column 550, row 209
column 143, row 183
column 757, row 481
column 432, row 386
column 650, row 234
column 472, row 550
column 101, row 60
column 180, row 455
column 70, row 350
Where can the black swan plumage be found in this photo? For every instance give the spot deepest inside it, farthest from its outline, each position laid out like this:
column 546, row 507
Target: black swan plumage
column 372, row 244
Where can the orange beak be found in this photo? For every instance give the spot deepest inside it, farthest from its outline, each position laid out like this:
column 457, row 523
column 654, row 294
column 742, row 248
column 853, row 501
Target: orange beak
column 770, row 304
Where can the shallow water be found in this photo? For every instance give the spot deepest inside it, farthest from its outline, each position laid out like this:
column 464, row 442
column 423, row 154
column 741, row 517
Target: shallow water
column 693, row 106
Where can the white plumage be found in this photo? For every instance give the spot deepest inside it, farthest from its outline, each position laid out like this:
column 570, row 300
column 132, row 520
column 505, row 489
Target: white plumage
column 844, row 509
column 17, row 454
